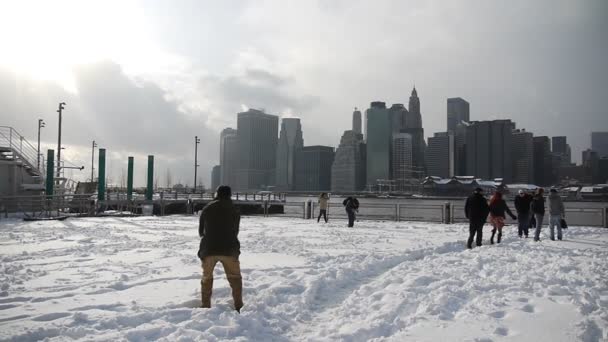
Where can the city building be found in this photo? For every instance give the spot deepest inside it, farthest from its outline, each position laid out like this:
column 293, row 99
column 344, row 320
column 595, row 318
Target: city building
column 522, row 155
column 257, row 145
column 379, row 139
column 357, row 121
column 349, row 166
column 290, row 141
column 402, row 160
column 216, row 174
column 440, row 154
column 599, row 143
column 399, row 115
column 542, row 161
column 229, row 156
column 488, row 149
column 460, row 151
column 458, row 111
column 412, row 124
column 313, row 168
column 561, row 151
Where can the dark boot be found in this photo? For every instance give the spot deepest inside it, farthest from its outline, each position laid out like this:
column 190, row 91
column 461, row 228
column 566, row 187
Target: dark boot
column 499, row 237
column 492, row 238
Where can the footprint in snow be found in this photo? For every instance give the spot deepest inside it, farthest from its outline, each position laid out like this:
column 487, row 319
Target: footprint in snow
column 528, row 308
column 501, row 331
column 51, row 317
column 498, row 314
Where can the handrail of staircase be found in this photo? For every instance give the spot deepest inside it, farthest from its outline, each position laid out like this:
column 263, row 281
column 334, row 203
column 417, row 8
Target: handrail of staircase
column 29, row 153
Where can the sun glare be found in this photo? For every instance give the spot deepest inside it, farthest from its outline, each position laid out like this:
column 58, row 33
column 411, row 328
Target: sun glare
column 45, row 40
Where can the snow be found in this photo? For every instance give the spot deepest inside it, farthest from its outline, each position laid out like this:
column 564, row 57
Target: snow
column 138, row 279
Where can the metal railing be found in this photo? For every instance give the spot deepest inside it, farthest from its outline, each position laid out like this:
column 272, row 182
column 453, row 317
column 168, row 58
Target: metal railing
column 11, row 139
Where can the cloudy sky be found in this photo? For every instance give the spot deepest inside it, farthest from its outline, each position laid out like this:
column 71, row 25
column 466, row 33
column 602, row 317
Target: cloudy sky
column 145, row 77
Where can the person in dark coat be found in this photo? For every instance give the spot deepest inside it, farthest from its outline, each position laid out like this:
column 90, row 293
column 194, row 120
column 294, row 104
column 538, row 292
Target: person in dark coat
column 476, row 210
column 522, row 206
column 351, row 204
column 498, row 207
column 538, row 210
column 218, row 230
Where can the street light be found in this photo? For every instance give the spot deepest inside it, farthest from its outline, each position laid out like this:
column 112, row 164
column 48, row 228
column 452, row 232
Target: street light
column 93, row 145
column 40, row 125
column 60, row 110
column 196, row 142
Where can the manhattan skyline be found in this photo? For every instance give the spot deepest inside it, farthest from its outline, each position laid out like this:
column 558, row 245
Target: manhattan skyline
column 162, row 73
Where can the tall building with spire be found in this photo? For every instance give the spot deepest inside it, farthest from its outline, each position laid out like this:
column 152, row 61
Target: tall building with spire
column 413, row 125
column 357, row 121
column 290, row 141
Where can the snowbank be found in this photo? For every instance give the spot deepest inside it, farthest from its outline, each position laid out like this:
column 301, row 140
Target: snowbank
column 138, row 279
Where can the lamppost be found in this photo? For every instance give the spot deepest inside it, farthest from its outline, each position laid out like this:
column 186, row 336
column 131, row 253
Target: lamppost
column 93, row 145
column 60, row 110
column 40, row 125
column 196, row 142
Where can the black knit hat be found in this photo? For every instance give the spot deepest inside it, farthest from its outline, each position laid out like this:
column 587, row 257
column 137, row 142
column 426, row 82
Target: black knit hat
column 223, row 191
column 478, row 189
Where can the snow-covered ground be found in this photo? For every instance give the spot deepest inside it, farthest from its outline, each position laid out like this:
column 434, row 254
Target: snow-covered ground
column 138, row 279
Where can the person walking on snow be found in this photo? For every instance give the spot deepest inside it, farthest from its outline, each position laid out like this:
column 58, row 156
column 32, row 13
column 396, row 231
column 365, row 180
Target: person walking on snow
column 498, row 207
column 538, row 210
column 476, row 210
column 557, row 213
column 522, row 206
column 351, row 204
column 219, row 230
column 323, row 204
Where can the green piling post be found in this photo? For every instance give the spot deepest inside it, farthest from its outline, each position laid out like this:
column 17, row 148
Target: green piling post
column 149, row 189
column 50, row 166
column 130, row 179
column 101, row 181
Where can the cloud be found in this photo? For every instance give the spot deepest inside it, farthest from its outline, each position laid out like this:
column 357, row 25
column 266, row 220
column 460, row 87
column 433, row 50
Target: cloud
column 124, row 115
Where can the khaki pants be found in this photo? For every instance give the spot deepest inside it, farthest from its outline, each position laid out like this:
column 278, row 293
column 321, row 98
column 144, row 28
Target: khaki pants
column 233, row 274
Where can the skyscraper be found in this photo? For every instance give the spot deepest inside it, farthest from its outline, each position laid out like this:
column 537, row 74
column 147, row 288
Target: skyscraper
column 599, row 143
column 215, row 177
column 561, row 150
column 458, row 111
column 229, row 157
column 522, row 154
column 440, row 155
column 290, row 141
column 402, row 159
column 257, row 143
column 357, row 121
column 460, row 151
column 399, row 115
column 542, row 161
column 379, row 136
column 412, row 124
column 488, row 149
column 313, row 168
column 349, row 166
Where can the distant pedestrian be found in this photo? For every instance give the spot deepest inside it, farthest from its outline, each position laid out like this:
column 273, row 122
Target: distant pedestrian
column 323, row 204
column 476, row 210
column 522, row 206
column 351, row 204
column 557, row 213
column 498, row 207
column 219, row 229
column 538, row 210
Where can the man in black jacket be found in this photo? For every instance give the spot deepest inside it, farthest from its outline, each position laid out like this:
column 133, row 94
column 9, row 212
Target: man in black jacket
column 476, row 210
column 219, row 229
column 351, row 204
column 522, row 205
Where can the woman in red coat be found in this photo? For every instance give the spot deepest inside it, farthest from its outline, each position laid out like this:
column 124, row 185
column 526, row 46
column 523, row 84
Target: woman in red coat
column 498, row 207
